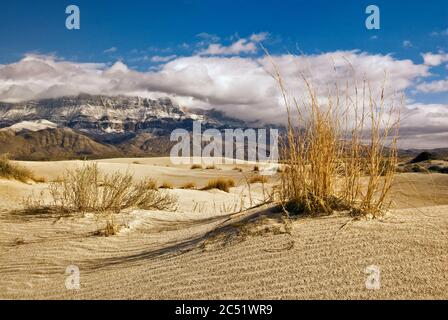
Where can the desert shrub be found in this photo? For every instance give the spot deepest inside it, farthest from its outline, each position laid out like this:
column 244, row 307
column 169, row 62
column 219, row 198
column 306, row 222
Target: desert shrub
column 166, row 185
column 238, row 169
column 211, row 167
column 10, row 170
column 88, row 189
column 256, row 168
column 188, row 185
column 258, row 179
column 332, row 145
column 196, row 166
column 221, row 184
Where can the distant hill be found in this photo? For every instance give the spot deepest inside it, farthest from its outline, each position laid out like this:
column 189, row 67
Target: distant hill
column 56, row 144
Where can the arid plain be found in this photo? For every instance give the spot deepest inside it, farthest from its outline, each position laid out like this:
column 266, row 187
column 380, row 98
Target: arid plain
column 219, row 244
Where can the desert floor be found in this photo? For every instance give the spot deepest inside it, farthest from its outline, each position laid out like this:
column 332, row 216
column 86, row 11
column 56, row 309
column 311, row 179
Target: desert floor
column 203, row 251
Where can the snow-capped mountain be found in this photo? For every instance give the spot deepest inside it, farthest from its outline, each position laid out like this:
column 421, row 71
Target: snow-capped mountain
column 129, row 125
column 98, row 114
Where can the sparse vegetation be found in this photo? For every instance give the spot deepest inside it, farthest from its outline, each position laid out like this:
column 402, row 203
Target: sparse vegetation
column 188, row 185
column 256, row 168
column 258, row 179
column 221, row 184
column 196, row 166
column 238, row 169
column 88, row 189
column 10, row 170
column 211, row 167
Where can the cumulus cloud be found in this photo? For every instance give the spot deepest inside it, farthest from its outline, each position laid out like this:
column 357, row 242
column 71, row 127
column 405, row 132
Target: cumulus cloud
column 424, row 125
column 239, row 86
column 434, row 59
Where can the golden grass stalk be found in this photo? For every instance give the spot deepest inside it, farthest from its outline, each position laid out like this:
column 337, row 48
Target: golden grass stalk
column 335, row 152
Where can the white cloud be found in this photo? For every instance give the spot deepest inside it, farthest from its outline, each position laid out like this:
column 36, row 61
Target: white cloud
column 208, row 36
column 424, row 126
column 163, row 58
column 239, row 86
column 258, row 37
column 440, row 33
column 434, row 59
column 111, row 50
column 238, row 47
column 433, row 86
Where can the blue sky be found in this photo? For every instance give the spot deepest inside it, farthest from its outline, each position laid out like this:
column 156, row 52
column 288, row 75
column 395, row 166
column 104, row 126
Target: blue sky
column 314, row 26
column 208, row 53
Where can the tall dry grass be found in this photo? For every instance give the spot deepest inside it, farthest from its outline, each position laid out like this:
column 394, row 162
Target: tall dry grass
column 10, row 170
column 339, row 154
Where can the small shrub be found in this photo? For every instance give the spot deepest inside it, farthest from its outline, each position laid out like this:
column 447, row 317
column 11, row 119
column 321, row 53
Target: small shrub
column 211, row 167
column 221, row 184
column 88, row 189
column 237, row 169
column 258, row 179
column 256, row 168
column 196, row 166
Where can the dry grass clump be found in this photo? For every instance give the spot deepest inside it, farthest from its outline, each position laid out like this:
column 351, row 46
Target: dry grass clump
column 10, row 170
column 258, row 179
column 221, row 184
column 88, row 189
column 196, row 166
column 256, row 168
column 339, row 154
column 211, row 167
column 238, row 169
column 166, row 185
column 188, row 185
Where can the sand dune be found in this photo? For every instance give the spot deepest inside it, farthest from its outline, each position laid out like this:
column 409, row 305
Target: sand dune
column 205, row 251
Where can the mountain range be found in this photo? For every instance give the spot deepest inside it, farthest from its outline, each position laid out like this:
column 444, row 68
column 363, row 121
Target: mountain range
column 89, row 126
